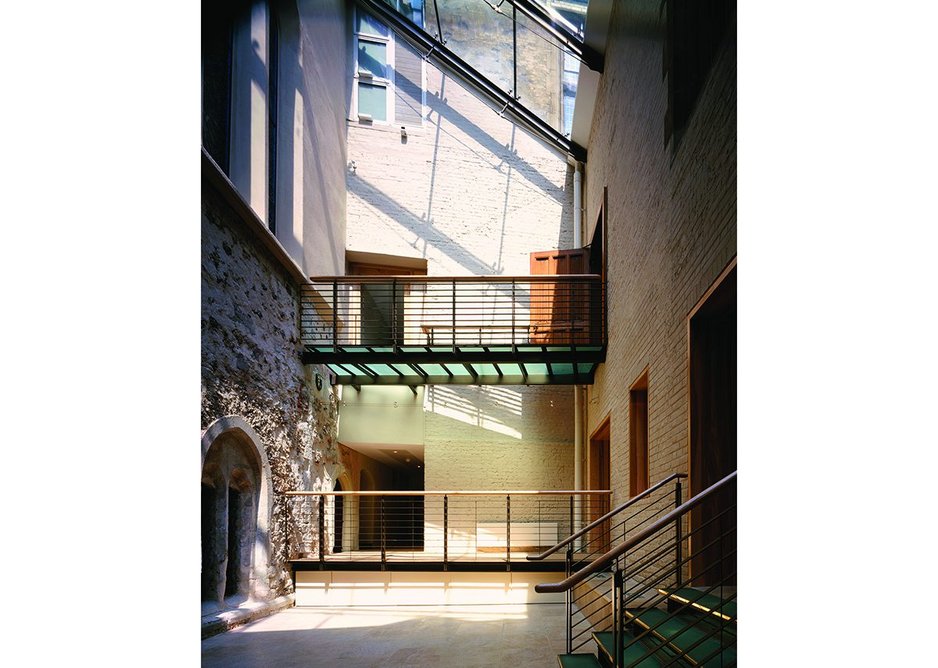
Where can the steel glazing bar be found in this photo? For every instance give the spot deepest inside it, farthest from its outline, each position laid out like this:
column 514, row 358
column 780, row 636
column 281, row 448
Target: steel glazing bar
column 449, row 61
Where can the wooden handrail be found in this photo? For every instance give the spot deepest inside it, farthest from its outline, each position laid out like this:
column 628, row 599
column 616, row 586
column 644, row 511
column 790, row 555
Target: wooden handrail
column 496, row 492
column 616, row 552
column 595, row 523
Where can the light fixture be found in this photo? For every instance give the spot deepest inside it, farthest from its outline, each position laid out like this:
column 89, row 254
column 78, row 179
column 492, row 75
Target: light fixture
column 403, row 132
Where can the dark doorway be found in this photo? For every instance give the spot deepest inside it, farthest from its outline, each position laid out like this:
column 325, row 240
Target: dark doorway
column 713, row 432
column 337, row 509
column 233, row 571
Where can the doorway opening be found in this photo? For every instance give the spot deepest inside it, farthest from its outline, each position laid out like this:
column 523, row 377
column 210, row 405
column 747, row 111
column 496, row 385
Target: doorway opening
column 712, row 338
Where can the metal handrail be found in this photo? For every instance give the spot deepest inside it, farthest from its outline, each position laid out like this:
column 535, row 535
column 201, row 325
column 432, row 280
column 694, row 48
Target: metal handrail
column 616, row 552
column 500, row 278
column 595, row 523
column 489, row 492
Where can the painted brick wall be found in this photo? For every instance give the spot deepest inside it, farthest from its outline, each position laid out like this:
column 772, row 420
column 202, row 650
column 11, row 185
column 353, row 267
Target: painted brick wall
column 671, row 230
column 474, row 195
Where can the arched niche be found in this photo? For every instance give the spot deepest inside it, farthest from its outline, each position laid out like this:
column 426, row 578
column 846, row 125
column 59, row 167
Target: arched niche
column 236, row 510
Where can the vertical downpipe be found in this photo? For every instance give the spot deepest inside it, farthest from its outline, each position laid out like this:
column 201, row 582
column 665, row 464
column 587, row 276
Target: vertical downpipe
column 578, row 435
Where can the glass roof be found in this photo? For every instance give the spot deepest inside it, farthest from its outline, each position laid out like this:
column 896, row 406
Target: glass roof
column 510, row 48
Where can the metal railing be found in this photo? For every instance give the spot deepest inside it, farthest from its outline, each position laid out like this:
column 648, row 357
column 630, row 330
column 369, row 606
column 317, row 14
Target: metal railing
column 448, row 313
column 673, row 588
column 587, row 609
column 389, row 527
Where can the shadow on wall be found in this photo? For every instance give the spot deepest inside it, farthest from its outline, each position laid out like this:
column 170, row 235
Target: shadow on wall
column 309, row 206
column 504, row 160
column 491, row 408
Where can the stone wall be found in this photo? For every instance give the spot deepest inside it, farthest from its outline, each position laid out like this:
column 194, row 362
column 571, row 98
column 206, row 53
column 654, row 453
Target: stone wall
column 251, row 368
column 671, row 230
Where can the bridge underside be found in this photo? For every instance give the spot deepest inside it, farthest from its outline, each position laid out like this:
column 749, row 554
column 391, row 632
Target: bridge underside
column 460, row 365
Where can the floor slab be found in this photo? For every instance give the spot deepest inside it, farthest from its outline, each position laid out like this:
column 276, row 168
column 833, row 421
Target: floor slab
column 461, row 636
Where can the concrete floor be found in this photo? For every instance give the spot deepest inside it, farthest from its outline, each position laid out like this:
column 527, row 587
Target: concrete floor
column 463, row 636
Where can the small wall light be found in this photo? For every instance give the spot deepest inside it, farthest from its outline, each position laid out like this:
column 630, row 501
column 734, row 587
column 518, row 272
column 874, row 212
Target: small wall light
column 403, row 132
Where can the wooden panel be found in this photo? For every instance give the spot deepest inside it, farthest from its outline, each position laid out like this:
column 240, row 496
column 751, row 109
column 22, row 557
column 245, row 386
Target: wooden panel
column 558, row 314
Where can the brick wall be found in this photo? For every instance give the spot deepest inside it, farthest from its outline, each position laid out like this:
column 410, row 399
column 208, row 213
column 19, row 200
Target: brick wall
column 671, row 229
column 474, row 195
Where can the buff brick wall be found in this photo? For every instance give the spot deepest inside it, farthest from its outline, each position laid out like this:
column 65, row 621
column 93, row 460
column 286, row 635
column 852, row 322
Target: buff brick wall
column 671, row 230
column 474, row 195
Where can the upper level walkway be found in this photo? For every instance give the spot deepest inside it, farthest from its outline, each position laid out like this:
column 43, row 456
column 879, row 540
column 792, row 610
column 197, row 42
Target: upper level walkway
column 474, row 330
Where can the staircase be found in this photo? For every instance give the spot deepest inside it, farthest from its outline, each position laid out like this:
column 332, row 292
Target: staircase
column 664, row 596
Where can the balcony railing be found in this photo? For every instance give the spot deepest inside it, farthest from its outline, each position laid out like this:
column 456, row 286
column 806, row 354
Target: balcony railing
column 487, row 320
column 445, row 527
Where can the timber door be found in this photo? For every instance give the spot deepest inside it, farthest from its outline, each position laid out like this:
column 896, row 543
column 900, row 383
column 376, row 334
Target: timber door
column 598, row 468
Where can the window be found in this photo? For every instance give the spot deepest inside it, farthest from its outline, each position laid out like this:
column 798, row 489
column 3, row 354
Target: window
column 388, row 76
column 695, row 31
column 638, row 435
column 571, row 73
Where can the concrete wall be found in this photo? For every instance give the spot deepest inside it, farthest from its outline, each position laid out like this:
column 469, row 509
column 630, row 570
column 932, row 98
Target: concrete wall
column 251, row 367
column 473, row 195
column 671, row 230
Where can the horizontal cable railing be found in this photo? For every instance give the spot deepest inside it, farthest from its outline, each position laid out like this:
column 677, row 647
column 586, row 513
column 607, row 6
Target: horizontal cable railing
column 587, row 606
column 448, row 313
column 440, row 526
column 673, row 586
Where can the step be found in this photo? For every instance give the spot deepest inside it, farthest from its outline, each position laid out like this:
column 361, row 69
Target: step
column 633, row 655
column 579, row 661
column 703, row 602
column 685, row 630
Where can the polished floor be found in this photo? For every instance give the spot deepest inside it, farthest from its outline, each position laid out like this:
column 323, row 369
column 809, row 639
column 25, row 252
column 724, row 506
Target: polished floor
column 463, row 636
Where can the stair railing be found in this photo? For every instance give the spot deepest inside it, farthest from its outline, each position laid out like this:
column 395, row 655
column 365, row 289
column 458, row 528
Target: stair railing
column 591, row 541
column 656, row 568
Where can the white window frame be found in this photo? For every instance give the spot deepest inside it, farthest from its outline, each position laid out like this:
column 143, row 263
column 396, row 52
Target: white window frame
column 362, row 76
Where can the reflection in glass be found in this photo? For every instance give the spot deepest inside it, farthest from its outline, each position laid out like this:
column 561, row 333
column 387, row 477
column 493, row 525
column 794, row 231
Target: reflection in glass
column 373, row 100
column 373, row 58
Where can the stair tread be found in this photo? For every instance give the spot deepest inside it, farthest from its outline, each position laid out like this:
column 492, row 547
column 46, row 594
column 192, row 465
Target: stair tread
column 633, row 652
column 682, row 631
column 578, row 661
column 708, row 602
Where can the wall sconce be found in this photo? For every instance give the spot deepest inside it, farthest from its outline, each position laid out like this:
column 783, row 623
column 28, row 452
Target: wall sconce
column 403, row 132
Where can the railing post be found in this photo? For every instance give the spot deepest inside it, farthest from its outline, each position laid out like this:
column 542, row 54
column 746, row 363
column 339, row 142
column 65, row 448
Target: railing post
column 513, row 342
column 618, row 618
column 322, row 531
column 384, row 552
column 678, row 556
column 569, row 599
column 454, row 316
column 572, row 515
column 335, row 316
column 445, row 532
column 508, row 530
column 394, row 314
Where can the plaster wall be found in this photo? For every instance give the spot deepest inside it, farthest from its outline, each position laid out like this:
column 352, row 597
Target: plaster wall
column 671, row 230
column 311, row 146
column 305, row 145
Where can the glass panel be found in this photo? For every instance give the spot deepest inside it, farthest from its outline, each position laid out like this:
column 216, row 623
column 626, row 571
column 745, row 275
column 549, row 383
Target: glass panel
column 373, row 57
column 373, row 100
column 370, row 25
column 412, row 9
